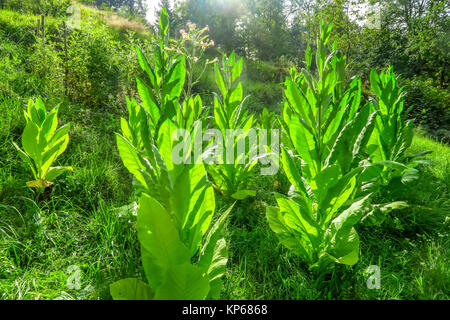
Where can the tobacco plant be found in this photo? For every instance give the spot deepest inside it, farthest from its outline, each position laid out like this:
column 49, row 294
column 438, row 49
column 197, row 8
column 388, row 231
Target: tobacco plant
column 230, row 115
column 165, row 79
column 327, row 134
column 391, row 137
column 42, row 144
column 193, row 44
column 183, row 253
column 268, row 121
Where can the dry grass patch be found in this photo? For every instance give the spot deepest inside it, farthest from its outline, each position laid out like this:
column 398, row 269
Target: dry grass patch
column 122, row 23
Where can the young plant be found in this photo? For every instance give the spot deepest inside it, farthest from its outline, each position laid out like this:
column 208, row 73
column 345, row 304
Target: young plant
column 183, row 253
column 327, row 137
column 390, row 138
column 42, row 144
column 231, row 175
column 392, row 135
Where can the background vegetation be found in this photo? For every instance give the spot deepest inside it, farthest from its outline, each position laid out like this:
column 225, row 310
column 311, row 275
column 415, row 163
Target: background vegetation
column 88, row 220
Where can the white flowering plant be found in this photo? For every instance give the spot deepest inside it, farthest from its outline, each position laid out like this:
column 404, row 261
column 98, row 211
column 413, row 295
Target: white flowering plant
column 192, row 43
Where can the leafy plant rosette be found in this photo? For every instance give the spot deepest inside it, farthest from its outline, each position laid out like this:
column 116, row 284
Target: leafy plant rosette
column 231, row 117
column 43, row 142
column 389, row 167
column 183, row 253
column 393, row 134
column 326, row 135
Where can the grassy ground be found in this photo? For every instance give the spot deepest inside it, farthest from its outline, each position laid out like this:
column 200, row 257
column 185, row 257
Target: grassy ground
column 87, row 223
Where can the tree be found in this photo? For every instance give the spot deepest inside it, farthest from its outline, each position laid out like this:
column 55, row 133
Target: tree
column 132, row 6
column 264, row 29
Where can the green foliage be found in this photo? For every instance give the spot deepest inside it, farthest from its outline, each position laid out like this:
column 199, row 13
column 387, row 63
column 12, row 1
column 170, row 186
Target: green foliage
column 45, row 7
column 42, row 143
column 48, row 73
column 183, row 253
column 328, row 136
column 231, row 173
column 165, row 80
column 220, row 16
column 392, row 135
column 334, row 168
column 93, row 66
column 263, row 31
column 321, row 116
column 429, row 105
column 125, row 7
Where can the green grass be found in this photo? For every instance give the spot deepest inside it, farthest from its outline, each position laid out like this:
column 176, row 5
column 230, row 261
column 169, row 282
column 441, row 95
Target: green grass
column 411, row 247
column 78, row 225
column 81, row 225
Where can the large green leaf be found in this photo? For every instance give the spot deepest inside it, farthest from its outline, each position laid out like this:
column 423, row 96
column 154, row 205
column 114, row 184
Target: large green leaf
column 213, row 256
column 292, row 171
column 298, row 102
column 183, row 282
column 342, row 241
column 30, row 142
column 219, row 80
column 49, row 126
column 174, row 82
column 164, row 21
column 55, row 172
column 130, row 289
column 145, row 65
column 148, row 101
column 193, row 205
column 25, row 158
column 161, row 246
column 217, row 269
column 304, row 144
column 208, row 248
column 284, row 234
column 243, row 194
column 50, row 155
column 130, row 158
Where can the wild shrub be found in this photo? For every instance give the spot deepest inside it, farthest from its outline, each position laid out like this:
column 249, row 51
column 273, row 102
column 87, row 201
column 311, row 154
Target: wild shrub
column 429, row 105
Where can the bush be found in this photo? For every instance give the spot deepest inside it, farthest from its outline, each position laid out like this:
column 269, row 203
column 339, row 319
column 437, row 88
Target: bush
column 93, row 70
column 429, row 105
column 263, row 95
column 30, row 70
column 46, row 69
